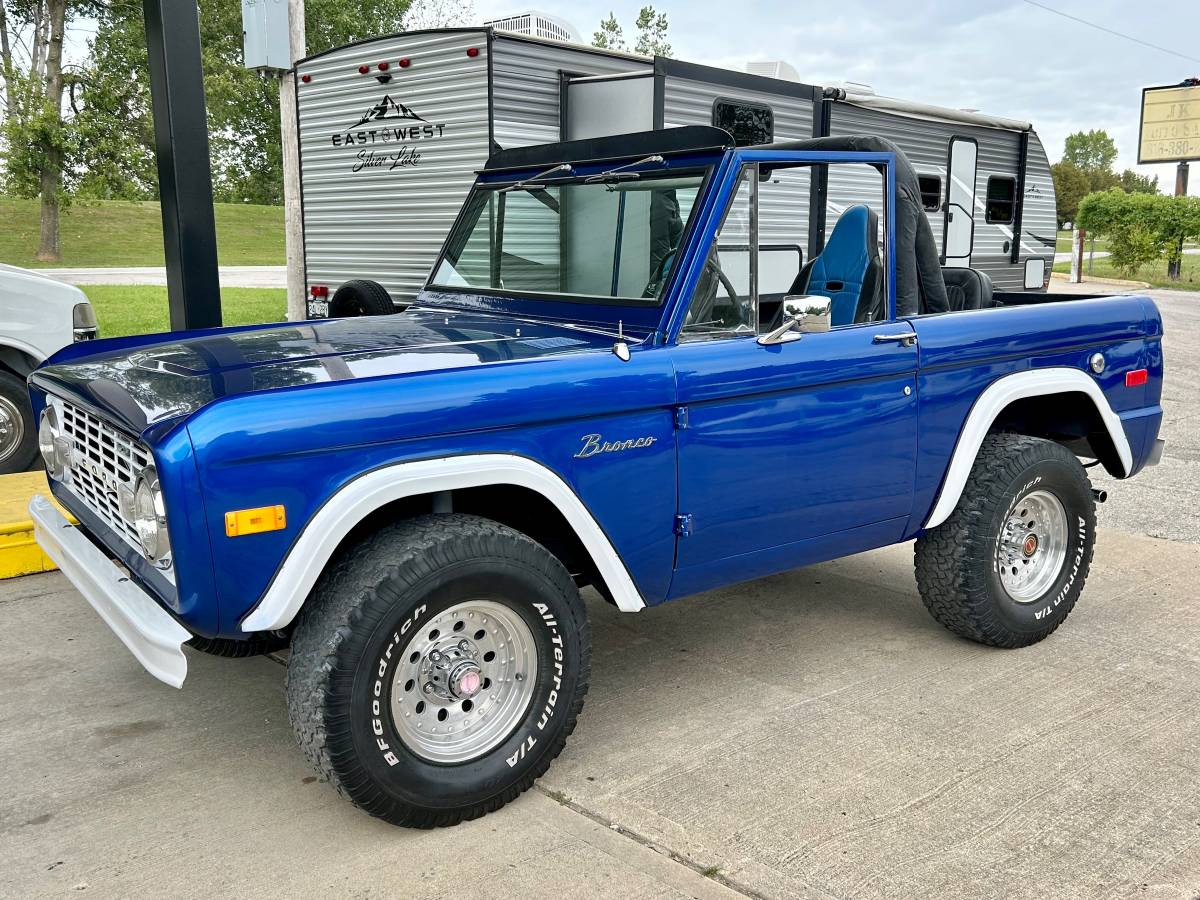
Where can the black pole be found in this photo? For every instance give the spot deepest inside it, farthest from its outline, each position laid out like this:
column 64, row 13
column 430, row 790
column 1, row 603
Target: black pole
column 1175, row 269
column 184, row 174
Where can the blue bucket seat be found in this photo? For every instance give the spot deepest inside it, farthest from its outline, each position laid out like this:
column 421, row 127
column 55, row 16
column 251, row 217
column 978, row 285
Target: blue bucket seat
column 848, row 269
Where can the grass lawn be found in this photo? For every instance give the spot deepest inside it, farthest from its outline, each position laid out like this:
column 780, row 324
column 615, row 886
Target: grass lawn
column 1064, row 243
column 122, row 233
column 1156, row 274
column 142, row 309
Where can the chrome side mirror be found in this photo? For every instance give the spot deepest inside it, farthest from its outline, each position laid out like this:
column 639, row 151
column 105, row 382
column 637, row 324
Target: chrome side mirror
column 802, row 314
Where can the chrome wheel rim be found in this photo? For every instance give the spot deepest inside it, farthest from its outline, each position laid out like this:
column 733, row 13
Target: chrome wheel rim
column 464, row 682
column 12, row 428
column 1032, row 546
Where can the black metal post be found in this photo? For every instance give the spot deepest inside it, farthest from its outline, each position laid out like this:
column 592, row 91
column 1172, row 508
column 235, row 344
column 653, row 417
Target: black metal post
column 1175, row 269
column 184, row 173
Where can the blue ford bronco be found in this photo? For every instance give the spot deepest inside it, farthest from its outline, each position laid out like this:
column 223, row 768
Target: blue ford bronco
column 621, row 373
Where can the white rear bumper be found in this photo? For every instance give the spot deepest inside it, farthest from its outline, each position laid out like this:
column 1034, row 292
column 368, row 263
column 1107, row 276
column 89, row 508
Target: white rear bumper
column 143, row 626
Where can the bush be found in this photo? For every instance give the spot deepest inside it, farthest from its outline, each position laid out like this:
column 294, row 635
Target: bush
column 1141, row 228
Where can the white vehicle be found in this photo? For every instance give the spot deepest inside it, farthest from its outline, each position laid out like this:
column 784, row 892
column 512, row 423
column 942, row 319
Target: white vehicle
column 38, row 317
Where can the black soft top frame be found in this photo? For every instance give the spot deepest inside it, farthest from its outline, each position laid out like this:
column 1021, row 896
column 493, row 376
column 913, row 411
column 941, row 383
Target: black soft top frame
column 665, row 142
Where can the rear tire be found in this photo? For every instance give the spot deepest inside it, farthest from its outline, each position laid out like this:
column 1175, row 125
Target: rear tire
column 18, row 431
column 361, row 298
column 438, row 668
column 1009, row 564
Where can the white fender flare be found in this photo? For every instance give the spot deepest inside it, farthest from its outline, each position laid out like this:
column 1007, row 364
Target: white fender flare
column 1000, row 393
column 311, row 552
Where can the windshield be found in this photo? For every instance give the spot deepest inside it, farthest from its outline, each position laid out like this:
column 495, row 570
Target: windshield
column 605, row 239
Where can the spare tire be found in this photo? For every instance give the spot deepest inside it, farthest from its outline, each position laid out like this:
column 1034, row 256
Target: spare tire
column 361, row 298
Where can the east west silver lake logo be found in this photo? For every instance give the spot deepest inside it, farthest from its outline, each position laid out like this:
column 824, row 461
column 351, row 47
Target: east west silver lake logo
column 594, row 444
column 388, row 122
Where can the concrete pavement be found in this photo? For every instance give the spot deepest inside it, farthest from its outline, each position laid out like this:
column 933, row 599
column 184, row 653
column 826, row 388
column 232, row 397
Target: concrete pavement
column 231, row 276
column 809, row 735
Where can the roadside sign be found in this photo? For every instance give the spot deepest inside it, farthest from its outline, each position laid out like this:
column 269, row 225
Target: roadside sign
column 1170, row 128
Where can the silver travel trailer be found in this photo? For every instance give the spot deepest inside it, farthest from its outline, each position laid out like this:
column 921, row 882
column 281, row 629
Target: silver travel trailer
column 393, row 129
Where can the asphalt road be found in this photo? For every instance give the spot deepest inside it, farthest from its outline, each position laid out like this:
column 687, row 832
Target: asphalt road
column 1164, row 502
column 809, row 735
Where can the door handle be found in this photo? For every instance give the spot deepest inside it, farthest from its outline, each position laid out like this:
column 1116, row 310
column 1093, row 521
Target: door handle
column 904, row 339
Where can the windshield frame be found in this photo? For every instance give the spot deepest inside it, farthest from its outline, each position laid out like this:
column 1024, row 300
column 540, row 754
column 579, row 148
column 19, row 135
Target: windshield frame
column 682, row 166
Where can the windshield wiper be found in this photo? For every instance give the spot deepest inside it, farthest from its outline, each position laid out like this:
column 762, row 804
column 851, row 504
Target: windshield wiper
column 619, row 172
column 518, row 185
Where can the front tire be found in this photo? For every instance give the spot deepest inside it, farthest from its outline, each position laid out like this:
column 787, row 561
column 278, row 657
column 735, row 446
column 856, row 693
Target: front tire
column 1009, row 564
column 438, row 669
column 18, row 431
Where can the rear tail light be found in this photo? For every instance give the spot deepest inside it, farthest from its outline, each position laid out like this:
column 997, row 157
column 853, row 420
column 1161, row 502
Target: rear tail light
column 320, row 290
column 1136, row 378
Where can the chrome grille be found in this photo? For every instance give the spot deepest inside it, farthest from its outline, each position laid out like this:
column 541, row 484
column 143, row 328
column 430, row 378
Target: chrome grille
column 103, row 461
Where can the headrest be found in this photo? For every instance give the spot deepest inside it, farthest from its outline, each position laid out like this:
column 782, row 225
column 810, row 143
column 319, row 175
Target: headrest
column 854, row 239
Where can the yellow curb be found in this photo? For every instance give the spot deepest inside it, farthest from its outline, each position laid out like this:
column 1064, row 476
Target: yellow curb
column 19, row 552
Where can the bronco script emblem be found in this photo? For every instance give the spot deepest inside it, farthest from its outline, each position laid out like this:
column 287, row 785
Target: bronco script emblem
column 593, row 444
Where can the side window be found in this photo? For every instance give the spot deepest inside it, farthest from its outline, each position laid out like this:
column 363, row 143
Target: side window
column 749, row 123
column 1001, row 199
column 757, row 258
column 931, row 192
column 721, row 304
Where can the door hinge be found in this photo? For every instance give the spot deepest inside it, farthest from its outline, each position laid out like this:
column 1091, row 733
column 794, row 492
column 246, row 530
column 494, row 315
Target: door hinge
column 681, row 418
column 683, row 525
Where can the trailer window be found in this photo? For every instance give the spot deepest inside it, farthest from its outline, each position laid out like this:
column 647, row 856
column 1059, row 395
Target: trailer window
column 931, row 192
column 749, row 123
column 601, row 240
column 1001, row 199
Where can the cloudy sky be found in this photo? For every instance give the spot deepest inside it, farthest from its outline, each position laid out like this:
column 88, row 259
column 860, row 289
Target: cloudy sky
column 1006, row 57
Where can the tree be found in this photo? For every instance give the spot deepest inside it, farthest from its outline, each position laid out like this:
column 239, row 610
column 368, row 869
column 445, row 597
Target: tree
column 1092, row 151
column 1070, row 186
column 1141, row 227
column 438, row 14
column 610, row 36
column 1132, row 183
column 31, row 52
column 651, row 37
column 652, row 33
column 114, row 129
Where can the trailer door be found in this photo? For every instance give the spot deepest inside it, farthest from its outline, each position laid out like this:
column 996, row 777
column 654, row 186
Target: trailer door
column 959, row 227
column 604, row 105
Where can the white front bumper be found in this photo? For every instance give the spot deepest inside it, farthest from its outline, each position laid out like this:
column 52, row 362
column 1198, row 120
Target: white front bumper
column 143, row 626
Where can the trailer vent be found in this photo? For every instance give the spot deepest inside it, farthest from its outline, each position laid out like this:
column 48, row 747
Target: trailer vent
column 539, row 24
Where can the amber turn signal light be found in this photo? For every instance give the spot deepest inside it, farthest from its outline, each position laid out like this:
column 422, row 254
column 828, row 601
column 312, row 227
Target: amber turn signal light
column 240, row 522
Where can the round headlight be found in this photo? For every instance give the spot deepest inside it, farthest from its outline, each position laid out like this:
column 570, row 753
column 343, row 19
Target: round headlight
column 150, row 516
column 52, row 444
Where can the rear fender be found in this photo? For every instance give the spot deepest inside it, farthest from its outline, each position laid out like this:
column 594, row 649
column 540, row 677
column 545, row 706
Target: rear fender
column 998, row 395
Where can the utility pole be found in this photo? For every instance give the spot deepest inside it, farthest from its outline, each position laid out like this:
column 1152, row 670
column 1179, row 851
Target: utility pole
column 290, row 133
column 1174, row 269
